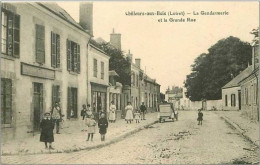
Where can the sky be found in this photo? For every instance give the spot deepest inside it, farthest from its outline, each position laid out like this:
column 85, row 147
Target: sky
column 168, row 49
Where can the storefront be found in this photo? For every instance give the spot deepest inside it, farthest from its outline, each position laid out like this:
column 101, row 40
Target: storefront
column 98, row 97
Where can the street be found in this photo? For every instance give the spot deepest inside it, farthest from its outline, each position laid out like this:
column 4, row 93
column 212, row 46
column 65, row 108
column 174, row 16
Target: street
column 181, row 142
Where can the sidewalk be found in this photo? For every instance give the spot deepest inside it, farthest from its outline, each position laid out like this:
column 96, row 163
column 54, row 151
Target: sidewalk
column 72, row 139
column 249, row 129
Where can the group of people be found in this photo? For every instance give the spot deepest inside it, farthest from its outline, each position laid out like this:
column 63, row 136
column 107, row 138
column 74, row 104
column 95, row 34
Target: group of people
column 137, row 115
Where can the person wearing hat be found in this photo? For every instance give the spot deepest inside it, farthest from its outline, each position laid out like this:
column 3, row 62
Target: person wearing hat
column 47, row 127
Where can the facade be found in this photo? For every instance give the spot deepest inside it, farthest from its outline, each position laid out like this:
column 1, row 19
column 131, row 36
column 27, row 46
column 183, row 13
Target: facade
column 231, row 92
column 98, row 64
column 249, row 88
column 115, row 92
column 185, row 103
column 43, row 61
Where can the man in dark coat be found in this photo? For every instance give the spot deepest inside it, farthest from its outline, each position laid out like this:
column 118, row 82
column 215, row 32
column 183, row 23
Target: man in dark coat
column 143, row 111
column 102, row 125
column 47, row 126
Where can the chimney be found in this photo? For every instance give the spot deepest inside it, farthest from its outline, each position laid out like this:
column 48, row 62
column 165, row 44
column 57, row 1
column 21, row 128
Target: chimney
column 130, row 56
column 115, row 40
column 86, row 16
column 138, row 62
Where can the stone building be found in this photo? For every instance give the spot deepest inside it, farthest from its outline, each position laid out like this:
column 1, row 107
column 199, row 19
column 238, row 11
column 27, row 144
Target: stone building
column 43, row 61
column 98, row 75
column 249, row 88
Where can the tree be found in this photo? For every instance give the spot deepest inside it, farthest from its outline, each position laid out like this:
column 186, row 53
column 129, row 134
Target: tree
column 118, row 63
column 211, row 71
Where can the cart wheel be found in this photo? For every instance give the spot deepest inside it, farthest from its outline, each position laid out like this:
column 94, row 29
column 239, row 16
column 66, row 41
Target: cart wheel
column 163, row 120
column 160, row 120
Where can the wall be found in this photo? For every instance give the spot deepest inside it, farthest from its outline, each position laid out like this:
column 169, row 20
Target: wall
column 229, row 92
column 195, row 105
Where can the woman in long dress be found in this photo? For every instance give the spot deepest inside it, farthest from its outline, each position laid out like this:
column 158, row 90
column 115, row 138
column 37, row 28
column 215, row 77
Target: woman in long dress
column 112, row 112
column 129, row 112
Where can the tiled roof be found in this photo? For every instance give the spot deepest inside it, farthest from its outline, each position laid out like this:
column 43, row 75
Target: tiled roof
column 235, row 81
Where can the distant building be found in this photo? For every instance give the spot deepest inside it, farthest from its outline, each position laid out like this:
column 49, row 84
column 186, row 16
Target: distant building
column 185, row 103
column 231, row 92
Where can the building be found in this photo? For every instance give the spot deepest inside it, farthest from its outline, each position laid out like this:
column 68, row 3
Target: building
column 231, row 92
column 185, row 103
column 98, row 75
column 115, row 92
column 43, row 61
column 249, row 88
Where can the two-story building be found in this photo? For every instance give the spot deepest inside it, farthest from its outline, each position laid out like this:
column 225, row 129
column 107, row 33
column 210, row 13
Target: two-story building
column 43, row 61
column 98, row 64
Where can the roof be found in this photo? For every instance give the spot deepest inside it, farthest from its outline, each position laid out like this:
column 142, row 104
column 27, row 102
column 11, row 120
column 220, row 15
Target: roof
column 112, row 73
column 97, row 46
column 59, row 11
column 235, row 81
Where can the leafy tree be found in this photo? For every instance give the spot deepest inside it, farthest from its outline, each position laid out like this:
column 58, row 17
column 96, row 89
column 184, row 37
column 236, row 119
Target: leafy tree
column 118, row 63
column 211, row 71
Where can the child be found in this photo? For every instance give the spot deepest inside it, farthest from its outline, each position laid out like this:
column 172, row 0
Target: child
column 200, row 117
column 102, row 124
column 47, row 127
column 137, row 116
column 91, row 123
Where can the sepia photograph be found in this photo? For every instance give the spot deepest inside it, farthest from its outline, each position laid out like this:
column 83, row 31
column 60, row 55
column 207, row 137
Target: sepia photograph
column 130, row 82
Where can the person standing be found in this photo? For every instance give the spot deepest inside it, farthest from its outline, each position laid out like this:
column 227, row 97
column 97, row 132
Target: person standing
column 112, row 112
column 91, row 123
column 200, row 117
column 137, row 116
column 89, row 113
column 102, row 125
column 47, row 127
column 143, row 111
column 83, row 115
column 56, row 116
column 129, row 113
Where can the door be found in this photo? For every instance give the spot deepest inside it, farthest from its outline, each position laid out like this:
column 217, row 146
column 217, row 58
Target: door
column 38, row 105
column 239, row 100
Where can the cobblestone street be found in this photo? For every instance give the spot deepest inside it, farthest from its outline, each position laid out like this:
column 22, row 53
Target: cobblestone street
column 181, row 142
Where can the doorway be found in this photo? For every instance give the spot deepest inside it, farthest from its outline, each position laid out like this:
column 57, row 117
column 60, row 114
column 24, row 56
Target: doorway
column 37, row 105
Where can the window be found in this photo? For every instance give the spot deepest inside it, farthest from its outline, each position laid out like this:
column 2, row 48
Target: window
column 233, row 100
column 73, row 56
column 137, row 80
column 133, row 79
column 6, row 101
column 102, row 70
column 10, row 33
column 72, row 111
column 55, row 50
column 55, row 94
column 226, row 100
column 40, row 44
column 246, row 96
column 95, row 69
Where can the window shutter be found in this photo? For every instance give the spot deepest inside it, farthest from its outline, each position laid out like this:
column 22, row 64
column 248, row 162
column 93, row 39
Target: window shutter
column 78, row 54
column 75, row 58
column 40, row 45
column 10, row 34
column 69, row 103
column 16, row 30
column 53, row 95
column 58, row 51
column 53, row 56
column 68, row 55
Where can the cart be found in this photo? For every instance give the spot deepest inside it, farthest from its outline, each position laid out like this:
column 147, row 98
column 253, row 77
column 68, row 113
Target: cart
column 165, row 112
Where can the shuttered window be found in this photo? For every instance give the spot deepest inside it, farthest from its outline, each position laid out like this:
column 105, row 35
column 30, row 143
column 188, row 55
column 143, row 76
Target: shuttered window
column 95, row 68
column 55, row 50
column 6, row 101
column 72, row 103
column 40, row 44
column 102, row 70
column 233, row 100
column 10, row 33
column 73, row 56
column 55, row 94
